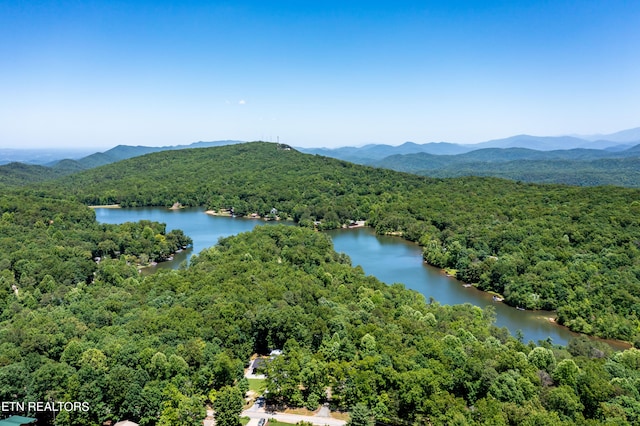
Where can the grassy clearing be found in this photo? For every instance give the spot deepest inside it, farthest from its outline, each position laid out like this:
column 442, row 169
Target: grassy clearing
column 257, row 385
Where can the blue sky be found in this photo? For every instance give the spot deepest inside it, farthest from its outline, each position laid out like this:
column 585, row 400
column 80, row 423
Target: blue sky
column 314, row 73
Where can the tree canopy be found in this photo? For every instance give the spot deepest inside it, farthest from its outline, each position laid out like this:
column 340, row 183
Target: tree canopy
column 153, row 348
column 157, row 348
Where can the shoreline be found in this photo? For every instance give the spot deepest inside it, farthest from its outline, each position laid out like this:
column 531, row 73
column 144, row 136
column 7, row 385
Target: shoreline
column 357, row 224
column 106, row 206
column 215, row 213
column 615, row 344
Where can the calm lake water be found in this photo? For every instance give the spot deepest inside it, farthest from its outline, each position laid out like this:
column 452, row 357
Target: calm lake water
column 204, row 229
column 390, row 259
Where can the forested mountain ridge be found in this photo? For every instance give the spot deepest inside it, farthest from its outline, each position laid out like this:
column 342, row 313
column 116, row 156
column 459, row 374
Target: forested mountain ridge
column 524, row 158
column 563, row 160
column 19, row 174
column 122, row 152
column 571, row 167
column 582, row 167
column 540, row 246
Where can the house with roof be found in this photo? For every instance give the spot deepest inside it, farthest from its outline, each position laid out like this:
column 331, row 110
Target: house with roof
column 18, row 421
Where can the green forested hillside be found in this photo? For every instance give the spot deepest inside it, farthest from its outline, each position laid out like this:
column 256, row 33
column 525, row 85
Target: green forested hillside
column 571, row 167
column 19, row 174
column 254, row 177
column 155, row 349
column 540, row 246
column 618, row 172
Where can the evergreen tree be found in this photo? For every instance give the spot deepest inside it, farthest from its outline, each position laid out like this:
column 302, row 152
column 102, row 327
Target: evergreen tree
column 361, row 416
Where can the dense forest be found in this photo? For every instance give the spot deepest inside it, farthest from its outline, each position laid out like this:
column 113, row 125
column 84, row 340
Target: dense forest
column 555, row 247
column 17, row 174
column 569, row 171
column 157, row 348
column 579, row 163
column 78, row 322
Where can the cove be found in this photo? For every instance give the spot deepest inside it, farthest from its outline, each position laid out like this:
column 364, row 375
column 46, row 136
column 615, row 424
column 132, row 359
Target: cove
column 204, row 229
column 390, row 259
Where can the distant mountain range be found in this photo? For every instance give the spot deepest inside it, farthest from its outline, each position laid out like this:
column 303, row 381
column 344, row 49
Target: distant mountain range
column 586, row 161
column 612, row 159
column 39, row 156
column 84, row 159
column 618, row 141
column 18, row 167
column 123, row 152
column 623, row 136
column 367, row 154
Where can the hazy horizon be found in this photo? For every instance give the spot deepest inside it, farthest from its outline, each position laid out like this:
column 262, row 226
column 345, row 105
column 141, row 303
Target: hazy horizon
column 99, row 74
column 78, row 152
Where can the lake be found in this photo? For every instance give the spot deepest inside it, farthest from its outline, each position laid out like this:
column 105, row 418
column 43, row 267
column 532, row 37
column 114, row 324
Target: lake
column 390, row 259
column 204, row 229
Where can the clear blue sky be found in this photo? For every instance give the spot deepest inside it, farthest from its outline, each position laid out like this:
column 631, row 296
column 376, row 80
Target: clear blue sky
column 314, row 73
